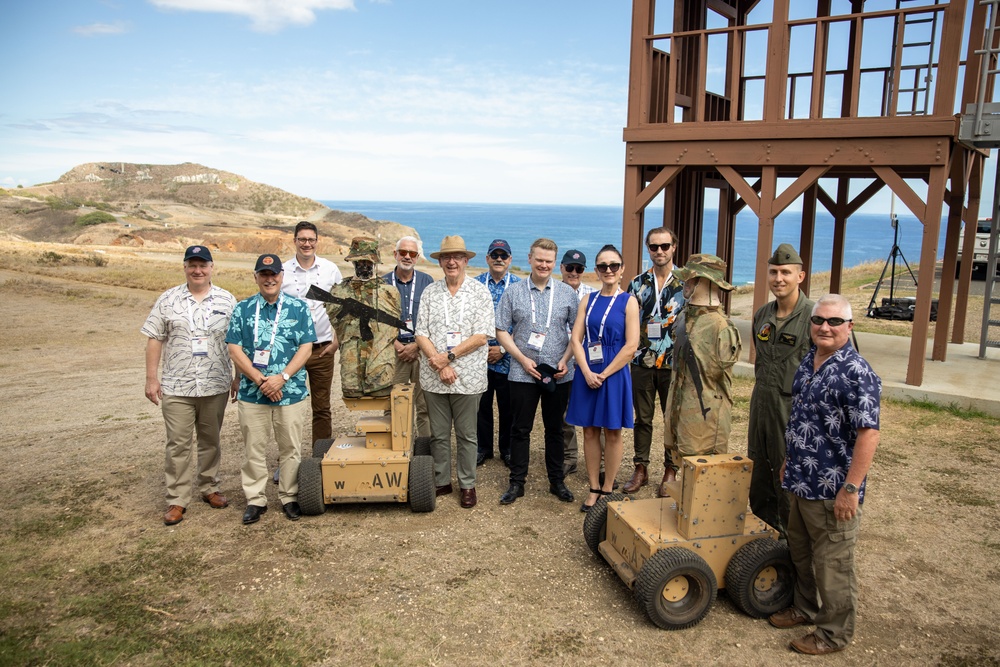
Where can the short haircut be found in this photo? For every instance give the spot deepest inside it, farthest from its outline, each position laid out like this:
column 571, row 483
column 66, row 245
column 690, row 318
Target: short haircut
column 835, row 300
column 661, row 230
column 543, row 244
column 305, row 224
column 412, row 239
column 608, row 248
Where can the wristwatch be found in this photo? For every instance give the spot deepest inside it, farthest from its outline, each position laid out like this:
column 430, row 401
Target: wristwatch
column 451, row 356
column 850, row 488
column 285, row 377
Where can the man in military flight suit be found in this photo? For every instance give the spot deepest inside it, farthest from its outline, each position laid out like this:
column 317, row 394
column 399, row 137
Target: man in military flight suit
column 706, row 347
column 367, row 367
column 781, row 338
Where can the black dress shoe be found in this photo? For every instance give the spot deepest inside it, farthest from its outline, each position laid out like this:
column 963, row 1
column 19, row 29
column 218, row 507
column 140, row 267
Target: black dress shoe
column 252, row 515
column 513, row 492
column 292, row 511
column 506, row 460
column 560, row 491
column 482, row 457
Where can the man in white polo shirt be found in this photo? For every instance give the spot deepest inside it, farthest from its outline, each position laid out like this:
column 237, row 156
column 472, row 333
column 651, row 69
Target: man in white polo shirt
column 306, row 269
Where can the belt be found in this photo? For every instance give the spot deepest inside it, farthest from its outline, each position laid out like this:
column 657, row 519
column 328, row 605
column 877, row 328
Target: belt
column 323, row 344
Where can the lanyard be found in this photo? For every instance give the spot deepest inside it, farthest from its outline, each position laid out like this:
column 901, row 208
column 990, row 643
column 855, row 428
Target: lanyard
column 447, row 313
column 552, row 294
column 274, row 329
column 590, row 307
column 659, row 292
column 413, row 290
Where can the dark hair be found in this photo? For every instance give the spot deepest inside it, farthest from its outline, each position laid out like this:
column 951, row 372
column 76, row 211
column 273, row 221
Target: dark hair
column 305, row 224
column 609, row 248
column 661, row 230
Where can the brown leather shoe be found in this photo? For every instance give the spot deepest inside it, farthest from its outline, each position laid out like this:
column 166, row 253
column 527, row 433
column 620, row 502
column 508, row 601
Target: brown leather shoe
column 788, row 617
column 443, row 490
column 216, row 500
column 813, row 645
column 669, row 475
column 468, row 498
column 640, row 478
column 174, row 515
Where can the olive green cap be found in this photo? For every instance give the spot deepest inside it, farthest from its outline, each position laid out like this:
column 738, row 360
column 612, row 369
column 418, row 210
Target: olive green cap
column 785, row 254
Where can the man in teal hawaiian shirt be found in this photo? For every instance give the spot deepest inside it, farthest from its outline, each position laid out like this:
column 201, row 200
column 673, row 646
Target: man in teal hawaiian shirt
column 270, row 339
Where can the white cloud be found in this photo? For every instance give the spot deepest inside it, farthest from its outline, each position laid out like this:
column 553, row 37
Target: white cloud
column 266, row 15
column 97, row 29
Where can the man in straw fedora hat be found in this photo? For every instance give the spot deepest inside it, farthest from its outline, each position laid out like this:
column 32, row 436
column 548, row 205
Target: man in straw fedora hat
column 706, row 347
column 453, row 324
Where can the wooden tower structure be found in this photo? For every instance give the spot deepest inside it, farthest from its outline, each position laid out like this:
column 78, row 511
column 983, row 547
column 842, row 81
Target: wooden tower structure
column 830, row 101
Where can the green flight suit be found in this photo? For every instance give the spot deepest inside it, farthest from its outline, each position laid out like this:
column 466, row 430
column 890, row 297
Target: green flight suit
column 700, row 425
column 367, row 368
column 780, row 346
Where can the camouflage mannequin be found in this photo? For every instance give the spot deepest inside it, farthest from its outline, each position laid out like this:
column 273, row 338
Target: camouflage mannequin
column 706, row 347
column 367, row 367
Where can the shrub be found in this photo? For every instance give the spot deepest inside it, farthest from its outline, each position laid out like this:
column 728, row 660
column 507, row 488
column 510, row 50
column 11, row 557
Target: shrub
column 95, row 218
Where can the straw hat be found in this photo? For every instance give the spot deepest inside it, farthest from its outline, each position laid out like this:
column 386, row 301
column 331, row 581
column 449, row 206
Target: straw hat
column 453, row 245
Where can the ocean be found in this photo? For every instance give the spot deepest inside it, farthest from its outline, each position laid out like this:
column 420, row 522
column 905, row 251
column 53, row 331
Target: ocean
column 588, row 228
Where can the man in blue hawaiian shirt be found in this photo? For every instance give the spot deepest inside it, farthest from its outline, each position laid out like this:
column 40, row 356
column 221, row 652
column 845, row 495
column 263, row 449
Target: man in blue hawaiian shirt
column 830, row 441
column 270, row 339
column 497, row 279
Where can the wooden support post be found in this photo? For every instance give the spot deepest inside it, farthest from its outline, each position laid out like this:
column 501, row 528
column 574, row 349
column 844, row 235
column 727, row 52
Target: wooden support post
column 807, row 234
column 956, row 202
column 632, row 221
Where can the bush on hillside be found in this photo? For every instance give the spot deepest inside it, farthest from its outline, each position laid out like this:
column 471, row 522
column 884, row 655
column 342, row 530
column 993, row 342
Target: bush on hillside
column 95, row 218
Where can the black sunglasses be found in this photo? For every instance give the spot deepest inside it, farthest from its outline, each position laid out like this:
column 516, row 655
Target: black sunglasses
column 608, row 268
column 653, row 247
column 574, row 268
column 499, row 254
column 832, row 321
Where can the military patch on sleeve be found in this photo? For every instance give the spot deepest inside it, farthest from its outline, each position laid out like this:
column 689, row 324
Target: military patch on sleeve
column 786, row 338
column 764, row 333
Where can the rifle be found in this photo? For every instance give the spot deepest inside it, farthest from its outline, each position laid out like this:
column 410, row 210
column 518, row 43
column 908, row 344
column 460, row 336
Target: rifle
column 353, row 308
column 692, row 364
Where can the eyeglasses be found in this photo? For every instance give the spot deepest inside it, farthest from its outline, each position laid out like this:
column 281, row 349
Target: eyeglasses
column 452, row 257
column 653, row 247
column 832, row 321
column 305, row 240
column 574, row 268
column 499, row 254
column 412, row 254
column 608, row 268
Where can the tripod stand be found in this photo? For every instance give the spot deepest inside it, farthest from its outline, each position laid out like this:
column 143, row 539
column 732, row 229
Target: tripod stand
column 892, row 310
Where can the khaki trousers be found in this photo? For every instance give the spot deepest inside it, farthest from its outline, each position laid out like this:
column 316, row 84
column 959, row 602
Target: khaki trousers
column 184, row 416
column 409, row 372
column 826, row 587
column 258, row 423
column 460, row 410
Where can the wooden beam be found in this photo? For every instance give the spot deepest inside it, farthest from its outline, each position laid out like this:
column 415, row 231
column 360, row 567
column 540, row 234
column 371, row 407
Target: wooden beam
column 873, row 188
column 776, row 67
column 632, row 222
column 837, row 129
column 807, row 233
column 648, row 193
column 800, row 185
column 956, row 200
column 905, row 193
column 952, row 32
column 742, row 188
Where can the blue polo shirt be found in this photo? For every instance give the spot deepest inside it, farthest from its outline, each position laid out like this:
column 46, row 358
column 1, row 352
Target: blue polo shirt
column 496, row 289
column 294, row 328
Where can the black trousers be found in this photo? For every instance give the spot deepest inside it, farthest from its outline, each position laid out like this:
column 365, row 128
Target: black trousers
column 524, row 398
column 496, row 383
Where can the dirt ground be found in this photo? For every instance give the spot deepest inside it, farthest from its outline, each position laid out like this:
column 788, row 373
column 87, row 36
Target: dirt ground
column 92, row 576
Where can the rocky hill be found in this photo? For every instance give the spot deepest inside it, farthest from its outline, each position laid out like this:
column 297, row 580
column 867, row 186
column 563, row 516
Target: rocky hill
column 172, row 206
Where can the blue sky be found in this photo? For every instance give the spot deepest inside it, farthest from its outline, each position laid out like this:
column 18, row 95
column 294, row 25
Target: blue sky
column 398, row 100
column 435, row 100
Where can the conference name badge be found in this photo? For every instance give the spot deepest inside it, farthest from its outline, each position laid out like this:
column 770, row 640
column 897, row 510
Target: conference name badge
column 199, row 347
column 261, row 358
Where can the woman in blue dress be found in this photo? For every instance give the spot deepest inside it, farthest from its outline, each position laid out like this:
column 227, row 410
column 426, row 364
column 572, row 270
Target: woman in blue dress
column 605, row 336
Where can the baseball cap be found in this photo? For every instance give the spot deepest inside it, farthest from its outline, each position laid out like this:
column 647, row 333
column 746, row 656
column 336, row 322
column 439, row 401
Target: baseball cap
column 574, row 257
column 499, row 244
column 197, row 252
column 268, row 263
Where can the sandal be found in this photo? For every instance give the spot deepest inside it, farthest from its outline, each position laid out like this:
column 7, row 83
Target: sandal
column 585, row 507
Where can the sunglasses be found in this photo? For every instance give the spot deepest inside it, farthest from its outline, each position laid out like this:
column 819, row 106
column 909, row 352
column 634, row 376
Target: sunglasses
column 832, row 321
column 653, row 247
column 412, row 254
column 608, row 268
column 574, row 268
column 499, row 254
